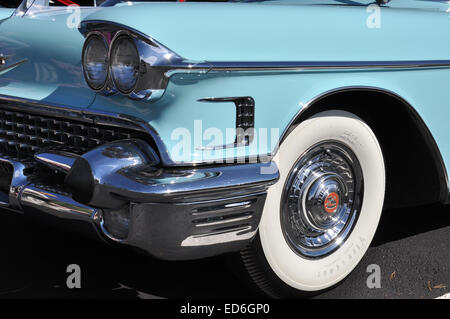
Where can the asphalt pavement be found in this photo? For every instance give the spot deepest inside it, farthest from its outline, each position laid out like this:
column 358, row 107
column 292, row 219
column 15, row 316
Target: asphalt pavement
column 411, row 248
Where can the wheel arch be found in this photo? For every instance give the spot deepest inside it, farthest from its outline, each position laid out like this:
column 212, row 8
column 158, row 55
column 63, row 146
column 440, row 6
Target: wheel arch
column 422, row 177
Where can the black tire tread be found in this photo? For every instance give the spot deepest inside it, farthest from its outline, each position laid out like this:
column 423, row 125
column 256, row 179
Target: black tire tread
column 263, row 277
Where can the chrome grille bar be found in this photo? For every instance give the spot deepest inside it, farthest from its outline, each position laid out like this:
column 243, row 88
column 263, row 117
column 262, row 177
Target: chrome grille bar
column 23, row 134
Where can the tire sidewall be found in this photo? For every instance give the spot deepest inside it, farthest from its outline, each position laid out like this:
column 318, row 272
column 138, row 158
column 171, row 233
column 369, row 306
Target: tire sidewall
column 317, row 274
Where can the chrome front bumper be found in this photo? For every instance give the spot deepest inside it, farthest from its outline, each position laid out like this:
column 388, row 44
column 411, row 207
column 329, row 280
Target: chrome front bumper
column 123, row 191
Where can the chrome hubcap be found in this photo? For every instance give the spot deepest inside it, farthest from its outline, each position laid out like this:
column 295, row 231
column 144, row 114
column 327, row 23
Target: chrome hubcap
column 321, row 199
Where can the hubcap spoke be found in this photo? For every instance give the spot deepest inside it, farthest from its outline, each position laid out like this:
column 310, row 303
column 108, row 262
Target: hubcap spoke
column 322, row 199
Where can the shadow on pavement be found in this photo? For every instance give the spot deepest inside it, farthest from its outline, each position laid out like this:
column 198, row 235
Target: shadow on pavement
column 397, row 224
column 34, row 259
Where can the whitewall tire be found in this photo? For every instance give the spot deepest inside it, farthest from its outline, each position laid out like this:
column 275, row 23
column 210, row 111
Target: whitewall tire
column 320, row 217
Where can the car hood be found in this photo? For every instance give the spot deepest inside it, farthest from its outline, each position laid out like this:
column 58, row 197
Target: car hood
column 289, row 31
column 44, row 59
column 411, row 4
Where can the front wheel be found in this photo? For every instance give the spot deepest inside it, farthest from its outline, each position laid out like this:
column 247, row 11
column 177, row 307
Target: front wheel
column 321, row 216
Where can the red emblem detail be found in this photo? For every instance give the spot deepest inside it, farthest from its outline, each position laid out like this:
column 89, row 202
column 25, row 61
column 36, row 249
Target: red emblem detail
column 331, row 203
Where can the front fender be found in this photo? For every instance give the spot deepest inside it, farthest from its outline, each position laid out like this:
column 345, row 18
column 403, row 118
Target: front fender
column 5, row 13
column 48, row 52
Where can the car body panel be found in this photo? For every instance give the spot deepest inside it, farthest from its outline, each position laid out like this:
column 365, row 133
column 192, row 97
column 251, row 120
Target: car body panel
column 51, row 72
column 280, row 96
column 203, row 31
column 5, row 13
column 274, row 110
column 307, row 32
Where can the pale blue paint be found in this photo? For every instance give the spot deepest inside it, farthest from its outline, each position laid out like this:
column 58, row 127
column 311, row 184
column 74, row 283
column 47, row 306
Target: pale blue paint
column 5, row 13
column 53, row 71
column 279, row 98
column 294, row 33
column 270, row 31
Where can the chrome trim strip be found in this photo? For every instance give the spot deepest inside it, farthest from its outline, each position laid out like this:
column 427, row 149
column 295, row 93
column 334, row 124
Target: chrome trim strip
column 306, row 66
column 224, row 209
column 57, row 160
column 240, row 205
column 243, row 233
column 185, row 66
column 233, row 197
column 6, row 69
column 225, row 221
column 326, row 65
column 34, row 198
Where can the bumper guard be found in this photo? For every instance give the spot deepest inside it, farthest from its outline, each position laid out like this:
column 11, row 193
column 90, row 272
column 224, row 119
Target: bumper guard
column 122, row 190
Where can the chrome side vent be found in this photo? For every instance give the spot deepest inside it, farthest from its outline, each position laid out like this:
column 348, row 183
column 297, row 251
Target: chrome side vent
column 225, row 208
column 245, row 117
column 224, row 217
column 222, row 220
column 245, row 120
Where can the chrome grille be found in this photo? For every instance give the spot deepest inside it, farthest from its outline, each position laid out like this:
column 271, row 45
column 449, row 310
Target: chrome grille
column 23, row 134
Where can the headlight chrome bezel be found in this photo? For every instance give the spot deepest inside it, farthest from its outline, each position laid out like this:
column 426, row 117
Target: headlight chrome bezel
column 119, row 36
column 156, row 62
column 102, row 39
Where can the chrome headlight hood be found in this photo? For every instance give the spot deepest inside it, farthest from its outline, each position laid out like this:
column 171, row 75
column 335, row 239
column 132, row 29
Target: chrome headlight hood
column 156, row 62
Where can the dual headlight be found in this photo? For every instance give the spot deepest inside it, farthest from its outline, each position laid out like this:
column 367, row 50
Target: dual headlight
column 95, row 62
column 124, row 64
column 114, row 66
column 116, row 59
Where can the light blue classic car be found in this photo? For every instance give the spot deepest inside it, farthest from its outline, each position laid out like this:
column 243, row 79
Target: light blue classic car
column 274, row 129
